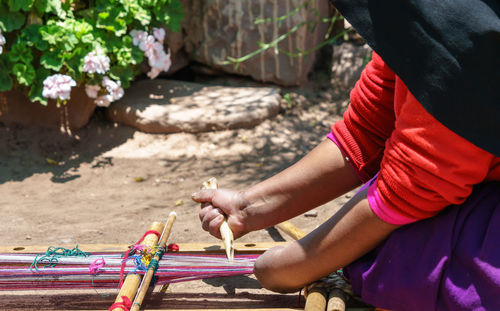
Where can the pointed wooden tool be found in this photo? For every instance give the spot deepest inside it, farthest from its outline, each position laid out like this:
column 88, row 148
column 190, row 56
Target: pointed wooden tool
column 225, row 231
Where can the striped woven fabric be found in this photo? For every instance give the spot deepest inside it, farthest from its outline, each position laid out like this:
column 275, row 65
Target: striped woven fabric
column 17, row 271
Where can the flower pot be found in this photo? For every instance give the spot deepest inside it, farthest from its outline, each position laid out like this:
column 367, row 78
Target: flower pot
column 16, row 108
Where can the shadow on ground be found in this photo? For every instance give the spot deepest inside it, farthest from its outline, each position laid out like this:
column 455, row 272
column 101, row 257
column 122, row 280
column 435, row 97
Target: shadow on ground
column 25, row 151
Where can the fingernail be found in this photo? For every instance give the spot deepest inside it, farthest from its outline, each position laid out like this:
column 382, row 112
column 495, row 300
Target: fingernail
column 194, row 196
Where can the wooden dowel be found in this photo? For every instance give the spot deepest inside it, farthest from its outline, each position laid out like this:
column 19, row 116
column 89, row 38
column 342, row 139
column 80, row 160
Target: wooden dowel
column 336, row 300
column 224, row 229
column 294, row 232
column 132, row 281
column 139, row 298
column 316, row 300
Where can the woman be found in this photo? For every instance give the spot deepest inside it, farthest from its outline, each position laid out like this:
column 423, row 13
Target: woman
column 423, row 233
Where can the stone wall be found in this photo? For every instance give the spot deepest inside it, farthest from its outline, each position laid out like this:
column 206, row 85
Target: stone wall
column 216, row 29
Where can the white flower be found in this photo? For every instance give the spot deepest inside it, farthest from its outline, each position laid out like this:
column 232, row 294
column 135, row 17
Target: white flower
column 58, row 86
column 113, row 87
column 96, row 61
column 152, row 46
column 153, row 73
column 158, row 61
column 159, row 34
column 92, row 90
column 103, row 100
column 138, row 36
column 2, row 42
column 147, row 44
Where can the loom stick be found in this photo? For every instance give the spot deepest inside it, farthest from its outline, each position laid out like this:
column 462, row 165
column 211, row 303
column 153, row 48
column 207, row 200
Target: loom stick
column 336, row 300
column 225, row 230
column 316, row 300
column 132, row 281
column 146, row 281
column 243, row 247
column 292, row 231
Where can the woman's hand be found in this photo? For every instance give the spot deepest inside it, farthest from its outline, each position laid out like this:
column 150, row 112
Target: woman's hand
column 322, row 175
column 219, row 203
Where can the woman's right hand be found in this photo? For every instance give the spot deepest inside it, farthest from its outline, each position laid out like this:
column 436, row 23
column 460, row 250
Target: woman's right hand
column 219, row 203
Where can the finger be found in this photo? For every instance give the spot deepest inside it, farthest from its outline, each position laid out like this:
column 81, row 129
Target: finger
column 214, row 226
column 203, row 195
column 204, row 210
column 209, row 216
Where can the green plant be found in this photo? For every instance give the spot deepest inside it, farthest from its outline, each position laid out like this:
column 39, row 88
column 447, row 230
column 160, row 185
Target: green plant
column 49, row 46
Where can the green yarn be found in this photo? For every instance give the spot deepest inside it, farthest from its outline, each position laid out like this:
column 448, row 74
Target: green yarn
column 50, row 257
column 153, row 265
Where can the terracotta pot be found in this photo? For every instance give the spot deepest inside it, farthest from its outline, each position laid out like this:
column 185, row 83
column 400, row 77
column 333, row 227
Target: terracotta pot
column 16, row 108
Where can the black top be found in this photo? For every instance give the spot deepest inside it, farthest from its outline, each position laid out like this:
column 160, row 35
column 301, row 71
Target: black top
column 448, row 54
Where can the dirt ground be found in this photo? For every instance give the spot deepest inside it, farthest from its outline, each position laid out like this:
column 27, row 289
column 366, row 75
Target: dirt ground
column 108, row 182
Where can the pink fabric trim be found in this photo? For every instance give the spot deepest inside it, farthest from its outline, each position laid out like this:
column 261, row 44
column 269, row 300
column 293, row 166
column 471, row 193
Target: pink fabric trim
column 376, row 204
column 383, row 211
column 332, row 137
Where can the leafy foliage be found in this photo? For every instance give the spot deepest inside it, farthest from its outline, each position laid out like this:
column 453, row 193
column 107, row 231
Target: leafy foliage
column 46, row 37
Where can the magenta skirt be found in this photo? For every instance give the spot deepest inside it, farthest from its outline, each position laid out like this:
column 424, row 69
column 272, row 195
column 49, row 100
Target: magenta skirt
column 448, row 262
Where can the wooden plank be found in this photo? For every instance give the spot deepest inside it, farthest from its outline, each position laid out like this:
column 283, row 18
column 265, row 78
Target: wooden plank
column 254, row 309
column 258, row 247
column 165, row 302
column 171, row 301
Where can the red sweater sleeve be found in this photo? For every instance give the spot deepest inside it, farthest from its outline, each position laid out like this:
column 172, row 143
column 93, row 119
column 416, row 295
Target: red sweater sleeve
column 423, row 165
column 426, row 166
column 369, row 119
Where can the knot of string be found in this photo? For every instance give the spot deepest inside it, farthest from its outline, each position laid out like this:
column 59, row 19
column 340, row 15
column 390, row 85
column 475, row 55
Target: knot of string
column 97, row 265
column 125, row 304
column 137, row 247
column 173, row 247
column 50, row 257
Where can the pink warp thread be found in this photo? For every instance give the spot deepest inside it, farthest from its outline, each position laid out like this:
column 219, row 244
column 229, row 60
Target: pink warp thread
column 96, row 265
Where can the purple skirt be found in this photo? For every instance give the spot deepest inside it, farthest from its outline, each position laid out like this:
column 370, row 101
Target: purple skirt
column 448, row 262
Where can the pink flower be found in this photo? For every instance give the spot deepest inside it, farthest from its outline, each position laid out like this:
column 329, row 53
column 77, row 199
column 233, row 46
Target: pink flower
column 159, row 34
column 92, row 90
column 58, row 86
column 96, row 61
column 138, row 36
column 113, row 87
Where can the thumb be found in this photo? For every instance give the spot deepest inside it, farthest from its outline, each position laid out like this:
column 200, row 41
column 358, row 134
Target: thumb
column 203, row 195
